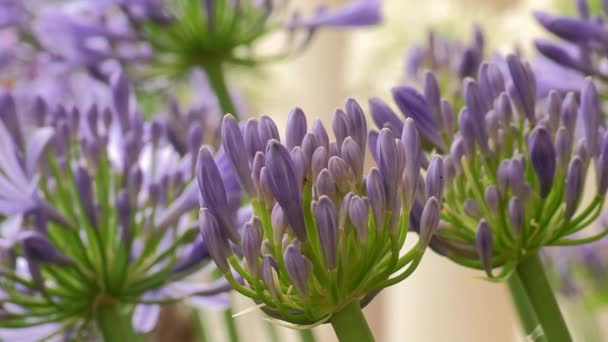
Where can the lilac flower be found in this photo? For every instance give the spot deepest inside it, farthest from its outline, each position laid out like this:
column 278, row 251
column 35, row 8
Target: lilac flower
column 312, row 202
column 100, row 206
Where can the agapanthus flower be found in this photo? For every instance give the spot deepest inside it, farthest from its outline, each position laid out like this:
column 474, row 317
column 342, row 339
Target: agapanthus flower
column 583, row 37
column 515, row 174
column 107, row 231
column 323, row 236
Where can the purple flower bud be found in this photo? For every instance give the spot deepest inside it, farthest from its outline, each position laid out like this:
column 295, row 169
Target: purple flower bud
column 491, row 81
column 581, row 150
column 469, row 62
column 448, row 117
column 326, row 217
column 334, row 150
column 39, row 111
column 523, row 91
column 571, row 29
column 121, row 95
column 502, row 108
column 252, row 140
column 8, row 116
column 198, row 253
column 325, row 184
column 575, row 181
column 561, row 56
column 429, row 221
column 353, row 156
column 492, row 197
column 388, row 165
column 467, row 131
column 320, row 133
column 342, row 174
column 92, row 119
column 432, row 94
column 554, row 106
column 265, row 191
column 569, row 113
column 213, row 193
column 123, row 206
column 309, row 145
column 516, row 214
column 563, row 148
column 412, row 150
column 279, row 223
column 319, row 161
column 256, row 171
column 543, row 158
column 234, row 147
column 251, row 238
column 434, row 179
column 472, row 209
column 590, row 113
column 84, row 185
column 156, row 132
column 477, row 107
column 356, row 124
column 270, row 270
column 376, row 195
column 412, row 104
column 358, row 213
column 483, row 244
column 339, row 127
column 296, row 128
column 602, row 167
column 298, row 268
column 373, row 143
column 384, row 116
column 268, row 130
column 214, row 239
column 282, row 181
column 299, row 163
column 38, row 248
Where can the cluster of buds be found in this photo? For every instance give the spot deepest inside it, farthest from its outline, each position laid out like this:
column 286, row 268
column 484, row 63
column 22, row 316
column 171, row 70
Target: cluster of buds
column 451, row 60
column 515, row 176
column 98, row 211
column 322, row 235
column 583, row 38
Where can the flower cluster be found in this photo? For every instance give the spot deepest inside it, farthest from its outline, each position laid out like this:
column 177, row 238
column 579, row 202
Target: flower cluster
column 98, row 218
column 514, row 174
column 322, row 236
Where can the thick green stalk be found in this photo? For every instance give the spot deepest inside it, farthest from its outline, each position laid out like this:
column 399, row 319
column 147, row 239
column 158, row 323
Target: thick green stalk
column 115, row 324
column 536, row 285
column 307, row 336
column 525, row 311
column 230, row 325
column 217, row 79
column 350, row 324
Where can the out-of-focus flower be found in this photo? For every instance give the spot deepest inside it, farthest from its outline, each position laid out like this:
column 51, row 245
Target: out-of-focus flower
column 322, row 235
column 514, row 175
column 106, row 220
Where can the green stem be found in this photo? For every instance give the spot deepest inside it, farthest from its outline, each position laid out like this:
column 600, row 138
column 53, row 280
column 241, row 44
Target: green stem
column 233, row 335
column 217, row 79
column 536, row 285
column 350, row 324
column 115, row 324
column 307, row 336
column 199, row 328
column 525, row 311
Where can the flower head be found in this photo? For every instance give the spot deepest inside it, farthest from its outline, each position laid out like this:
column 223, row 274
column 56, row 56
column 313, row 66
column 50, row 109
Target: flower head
column 322, row 235
column 514, row 174
column 106, row 219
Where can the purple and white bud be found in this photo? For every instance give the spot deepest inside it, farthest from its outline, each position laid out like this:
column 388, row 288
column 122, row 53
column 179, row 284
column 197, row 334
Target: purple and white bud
column 516, row 214
column 388, row 165
column 251, row 136
column 569, row 113
column 234, row 147
column 342, row 174
column 563, row 148
column 523, row 88
column 217, row 244
column 472, row 209
column 429, row 221
column 319, row 161
column 300, row 165
column 325, row 184
column 353, row 156
column 84, row 185
column 376, row 195
column 358, row 213
column 434, row 179
column 326, row 218
column 270, row 270
column 356, row 124
column 279, row 223
column 383, row 115
column 339, row 127
column 492, row 197
column 309, row 145
column 38, row 248
column 320, row 133
column 432, row 94
column 590, row 114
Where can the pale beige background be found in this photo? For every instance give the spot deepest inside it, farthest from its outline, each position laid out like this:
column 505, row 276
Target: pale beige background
column 441, row 301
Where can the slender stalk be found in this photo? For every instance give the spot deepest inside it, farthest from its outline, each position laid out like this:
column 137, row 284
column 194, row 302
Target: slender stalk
column 115, row 324
column 307, row 336
column 230, row 325
column 525, row 311
column 350, row 324
column 536, row 285
column 198, row 325
column 217, row 79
